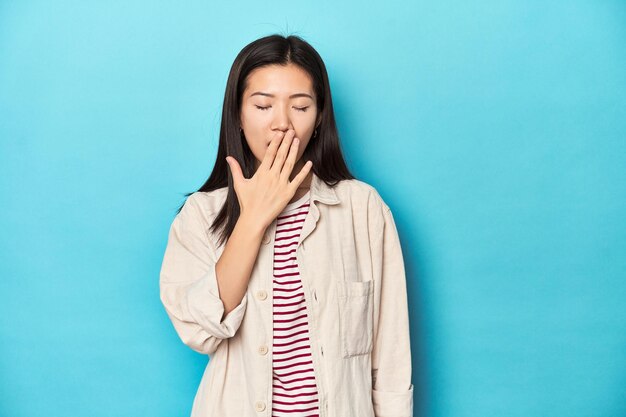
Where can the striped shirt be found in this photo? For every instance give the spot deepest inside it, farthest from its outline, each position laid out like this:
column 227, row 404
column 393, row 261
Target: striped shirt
column 294, row 390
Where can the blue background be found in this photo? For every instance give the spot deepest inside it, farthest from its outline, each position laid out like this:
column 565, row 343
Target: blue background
column 495, row 131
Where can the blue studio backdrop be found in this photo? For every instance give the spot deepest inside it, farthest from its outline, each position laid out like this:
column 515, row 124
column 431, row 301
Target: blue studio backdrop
column 495, row 131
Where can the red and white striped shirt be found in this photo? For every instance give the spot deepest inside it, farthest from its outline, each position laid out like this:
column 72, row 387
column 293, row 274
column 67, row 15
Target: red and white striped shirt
column 294, row 391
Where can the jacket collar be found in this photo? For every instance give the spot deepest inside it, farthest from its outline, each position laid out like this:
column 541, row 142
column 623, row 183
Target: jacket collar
column 322, row 192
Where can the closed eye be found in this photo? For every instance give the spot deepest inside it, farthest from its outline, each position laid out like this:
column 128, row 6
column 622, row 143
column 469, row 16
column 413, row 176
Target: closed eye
column 302, row 109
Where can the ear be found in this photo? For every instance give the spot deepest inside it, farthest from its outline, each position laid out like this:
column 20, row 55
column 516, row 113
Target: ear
column 318, row 121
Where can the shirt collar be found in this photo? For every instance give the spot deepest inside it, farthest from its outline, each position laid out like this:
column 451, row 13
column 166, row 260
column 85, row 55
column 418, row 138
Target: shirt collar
column 321, row 191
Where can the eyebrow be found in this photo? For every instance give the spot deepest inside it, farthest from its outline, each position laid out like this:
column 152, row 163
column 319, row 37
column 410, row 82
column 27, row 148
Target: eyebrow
column 260, row 93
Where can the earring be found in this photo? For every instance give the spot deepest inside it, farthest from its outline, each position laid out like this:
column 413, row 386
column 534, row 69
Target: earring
column 315, row 132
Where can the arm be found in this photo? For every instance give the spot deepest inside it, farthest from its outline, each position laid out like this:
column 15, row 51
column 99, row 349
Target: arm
column 189, row 287
column 392, row 393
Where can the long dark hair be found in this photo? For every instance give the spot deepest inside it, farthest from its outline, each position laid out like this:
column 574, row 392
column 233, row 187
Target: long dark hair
column 323, row 150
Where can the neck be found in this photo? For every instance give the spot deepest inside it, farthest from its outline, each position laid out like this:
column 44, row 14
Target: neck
column 306, row 184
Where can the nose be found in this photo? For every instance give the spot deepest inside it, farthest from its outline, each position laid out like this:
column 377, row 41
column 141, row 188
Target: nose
column 281, row 120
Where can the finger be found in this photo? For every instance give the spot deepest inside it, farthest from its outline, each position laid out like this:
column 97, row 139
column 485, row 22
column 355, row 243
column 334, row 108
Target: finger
column 290, row 162
column 281, row 154
column 270, row 152
column 235, row 169
column 297, row 180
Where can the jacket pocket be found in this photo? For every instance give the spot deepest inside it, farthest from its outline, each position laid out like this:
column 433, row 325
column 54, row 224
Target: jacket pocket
column 356, row 310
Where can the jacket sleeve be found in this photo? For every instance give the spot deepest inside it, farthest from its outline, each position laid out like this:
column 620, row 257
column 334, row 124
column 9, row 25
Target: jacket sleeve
column 188, row 284
column 392, row 393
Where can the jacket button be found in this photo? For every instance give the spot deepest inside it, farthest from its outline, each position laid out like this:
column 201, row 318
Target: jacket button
column 259, row 406
column 261, row 294
column 266, row 238
column 263, row 349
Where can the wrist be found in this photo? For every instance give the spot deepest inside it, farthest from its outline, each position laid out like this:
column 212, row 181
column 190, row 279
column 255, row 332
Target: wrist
column 251, row 224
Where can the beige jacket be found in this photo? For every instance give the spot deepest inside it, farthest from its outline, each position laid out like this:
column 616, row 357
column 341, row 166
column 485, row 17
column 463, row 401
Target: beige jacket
column 353, row 276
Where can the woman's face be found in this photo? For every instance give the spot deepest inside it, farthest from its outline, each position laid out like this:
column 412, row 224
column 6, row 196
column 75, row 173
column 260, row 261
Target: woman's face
column 278, row 98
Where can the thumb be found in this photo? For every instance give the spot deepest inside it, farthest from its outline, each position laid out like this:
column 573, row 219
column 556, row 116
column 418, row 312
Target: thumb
column 235, row 169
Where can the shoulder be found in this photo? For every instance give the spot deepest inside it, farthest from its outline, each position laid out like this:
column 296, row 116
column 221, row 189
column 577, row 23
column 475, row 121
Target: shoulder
column 205, row 204
column 361, row 194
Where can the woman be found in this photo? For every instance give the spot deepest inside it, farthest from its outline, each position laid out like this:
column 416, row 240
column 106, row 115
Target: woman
column 283, row 268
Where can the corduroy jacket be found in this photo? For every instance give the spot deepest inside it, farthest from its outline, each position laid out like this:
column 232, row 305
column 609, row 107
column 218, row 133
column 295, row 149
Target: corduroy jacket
column 351, row 266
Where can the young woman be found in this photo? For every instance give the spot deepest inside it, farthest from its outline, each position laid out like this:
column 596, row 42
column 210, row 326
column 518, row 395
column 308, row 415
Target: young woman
column 283, row 268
